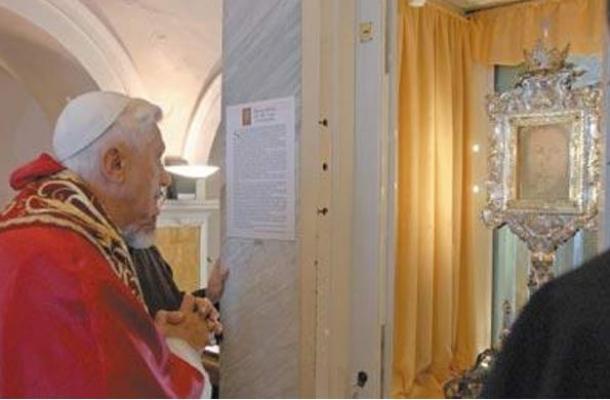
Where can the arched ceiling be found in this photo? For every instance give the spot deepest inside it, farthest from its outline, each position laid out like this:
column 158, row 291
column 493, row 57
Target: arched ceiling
column 176, row 48
column 48, row 71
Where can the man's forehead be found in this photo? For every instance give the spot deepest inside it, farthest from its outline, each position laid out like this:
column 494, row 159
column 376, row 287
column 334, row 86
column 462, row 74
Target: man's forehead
column 158, row 141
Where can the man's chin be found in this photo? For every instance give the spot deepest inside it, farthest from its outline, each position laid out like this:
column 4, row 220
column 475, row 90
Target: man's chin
column 139, row 240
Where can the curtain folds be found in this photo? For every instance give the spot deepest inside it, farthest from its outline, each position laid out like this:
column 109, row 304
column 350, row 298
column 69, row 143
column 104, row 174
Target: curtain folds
column 442, row 313
column 500, row 34
column 433, row 323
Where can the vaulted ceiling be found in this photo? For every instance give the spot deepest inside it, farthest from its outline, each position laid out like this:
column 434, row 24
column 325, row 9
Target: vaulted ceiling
column 32, row 57
column 172, row 48
column 176, row 48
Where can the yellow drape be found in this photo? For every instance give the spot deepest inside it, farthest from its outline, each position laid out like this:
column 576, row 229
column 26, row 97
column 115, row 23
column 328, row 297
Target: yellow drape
column 433, row 319
column 443, row 264
column 500, row 35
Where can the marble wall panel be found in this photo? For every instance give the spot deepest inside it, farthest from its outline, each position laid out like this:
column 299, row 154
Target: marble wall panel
column 260, row 308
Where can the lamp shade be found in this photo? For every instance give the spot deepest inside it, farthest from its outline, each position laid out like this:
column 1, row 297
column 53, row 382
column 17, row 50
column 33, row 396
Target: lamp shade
column 192, row 171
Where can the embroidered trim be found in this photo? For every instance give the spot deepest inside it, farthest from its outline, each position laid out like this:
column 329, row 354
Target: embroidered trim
column 63, row 200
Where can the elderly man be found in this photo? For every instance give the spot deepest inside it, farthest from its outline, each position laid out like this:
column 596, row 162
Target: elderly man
column 73, row 320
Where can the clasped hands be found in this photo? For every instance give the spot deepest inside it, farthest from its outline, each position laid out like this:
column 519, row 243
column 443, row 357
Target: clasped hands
column 193, row 322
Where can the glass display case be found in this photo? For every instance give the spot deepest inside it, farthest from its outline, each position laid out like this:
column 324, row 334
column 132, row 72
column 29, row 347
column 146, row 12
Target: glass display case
column 511, row 258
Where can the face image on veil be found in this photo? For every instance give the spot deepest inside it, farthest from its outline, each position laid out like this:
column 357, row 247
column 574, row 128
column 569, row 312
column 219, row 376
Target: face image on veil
column 543, row 158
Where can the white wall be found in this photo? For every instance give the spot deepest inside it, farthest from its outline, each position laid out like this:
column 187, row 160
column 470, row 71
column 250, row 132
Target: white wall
column 37, row 76
column 24, row 130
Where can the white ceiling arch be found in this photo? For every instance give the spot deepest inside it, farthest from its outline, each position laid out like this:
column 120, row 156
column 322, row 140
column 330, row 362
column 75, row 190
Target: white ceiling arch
column 205, row 120
column 80, row 32
column 176, row 48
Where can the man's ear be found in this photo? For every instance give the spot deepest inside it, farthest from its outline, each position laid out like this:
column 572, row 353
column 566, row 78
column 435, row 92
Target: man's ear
column 114, row 164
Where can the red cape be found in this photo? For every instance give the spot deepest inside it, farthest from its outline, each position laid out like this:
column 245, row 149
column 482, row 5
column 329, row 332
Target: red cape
column 68, row 326
column 42, row 167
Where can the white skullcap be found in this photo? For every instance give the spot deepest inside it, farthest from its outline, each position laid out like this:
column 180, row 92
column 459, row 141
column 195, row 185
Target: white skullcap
column 84, row 119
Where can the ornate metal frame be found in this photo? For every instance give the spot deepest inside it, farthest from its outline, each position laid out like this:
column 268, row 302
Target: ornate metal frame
column 544, row 97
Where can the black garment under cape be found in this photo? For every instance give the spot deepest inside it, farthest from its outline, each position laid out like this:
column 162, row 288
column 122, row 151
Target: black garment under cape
column 560, row 344
column 156, row 279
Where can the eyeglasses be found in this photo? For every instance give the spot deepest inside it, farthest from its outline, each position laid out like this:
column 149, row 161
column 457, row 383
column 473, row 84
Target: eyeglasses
column 161, row 196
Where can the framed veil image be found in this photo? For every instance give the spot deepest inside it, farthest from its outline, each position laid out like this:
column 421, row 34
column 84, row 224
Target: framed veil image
column 543, row 160
column 547, row 161
column 544, row 163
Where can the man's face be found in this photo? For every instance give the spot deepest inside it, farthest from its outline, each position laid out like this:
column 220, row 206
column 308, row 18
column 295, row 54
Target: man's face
column 144, row 185
column 547, row 161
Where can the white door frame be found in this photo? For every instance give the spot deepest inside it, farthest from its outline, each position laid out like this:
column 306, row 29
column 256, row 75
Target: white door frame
column 347, row 254
column 374, row 194
column 326, row 190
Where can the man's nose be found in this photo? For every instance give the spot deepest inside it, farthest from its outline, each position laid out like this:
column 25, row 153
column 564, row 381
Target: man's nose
column 166, row 178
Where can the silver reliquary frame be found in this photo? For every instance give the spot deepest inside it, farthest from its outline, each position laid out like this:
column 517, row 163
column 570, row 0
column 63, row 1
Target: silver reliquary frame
column 544, row 160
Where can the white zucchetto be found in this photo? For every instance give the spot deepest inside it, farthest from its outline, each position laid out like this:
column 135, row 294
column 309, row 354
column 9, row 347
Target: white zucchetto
column 84, row 119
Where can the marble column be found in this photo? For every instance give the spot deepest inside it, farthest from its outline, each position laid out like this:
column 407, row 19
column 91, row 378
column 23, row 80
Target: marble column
column 260, row 307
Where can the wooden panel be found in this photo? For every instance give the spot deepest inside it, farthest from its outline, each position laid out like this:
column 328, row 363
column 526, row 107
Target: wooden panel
column 180, row 247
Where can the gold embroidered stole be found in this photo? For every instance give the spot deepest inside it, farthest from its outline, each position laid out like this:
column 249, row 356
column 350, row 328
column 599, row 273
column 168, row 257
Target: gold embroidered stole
column 63, row 200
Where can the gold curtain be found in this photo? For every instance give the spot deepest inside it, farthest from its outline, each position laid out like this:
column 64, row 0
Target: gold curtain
column 500, row 35
column 434, row 321
column 443, row 262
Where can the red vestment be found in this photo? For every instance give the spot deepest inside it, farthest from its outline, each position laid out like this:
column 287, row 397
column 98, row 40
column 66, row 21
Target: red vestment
column 72, row 322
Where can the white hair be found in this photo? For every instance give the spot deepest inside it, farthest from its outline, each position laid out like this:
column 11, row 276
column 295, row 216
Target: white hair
column 136, row 120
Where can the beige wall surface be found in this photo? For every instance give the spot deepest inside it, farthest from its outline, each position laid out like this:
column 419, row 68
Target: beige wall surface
column 180, row 248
